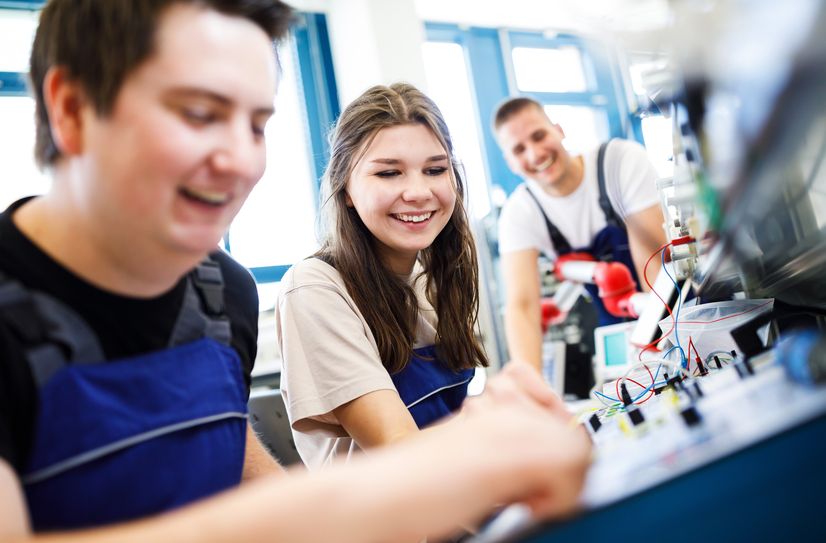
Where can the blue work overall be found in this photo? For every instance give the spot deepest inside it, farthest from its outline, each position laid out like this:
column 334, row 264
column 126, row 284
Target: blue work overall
column 429, row 389
column 117, row 440
column 610, row 244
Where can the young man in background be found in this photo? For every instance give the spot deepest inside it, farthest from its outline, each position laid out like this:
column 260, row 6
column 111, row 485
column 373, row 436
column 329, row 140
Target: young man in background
column 562, row 208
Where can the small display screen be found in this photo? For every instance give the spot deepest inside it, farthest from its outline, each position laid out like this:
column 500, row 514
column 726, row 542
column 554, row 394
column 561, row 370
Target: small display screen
column 615, row 349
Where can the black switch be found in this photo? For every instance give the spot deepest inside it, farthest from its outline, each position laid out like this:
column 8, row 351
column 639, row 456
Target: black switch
column 691, row 416
column 594, row 422
column 635, row 415
column 626, row 397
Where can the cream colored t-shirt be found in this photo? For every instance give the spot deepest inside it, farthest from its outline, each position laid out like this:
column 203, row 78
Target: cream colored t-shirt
column 329, row 356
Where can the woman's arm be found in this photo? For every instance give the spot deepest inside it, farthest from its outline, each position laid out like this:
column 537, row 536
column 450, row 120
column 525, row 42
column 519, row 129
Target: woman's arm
column 376, row 419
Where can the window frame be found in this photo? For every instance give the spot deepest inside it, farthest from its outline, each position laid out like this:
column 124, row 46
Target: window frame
column 314, row 61
column 29, row 5
column 488, row 53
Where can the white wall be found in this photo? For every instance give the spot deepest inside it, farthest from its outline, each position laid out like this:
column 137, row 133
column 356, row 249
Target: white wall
column 577, row 16
column 373, row 42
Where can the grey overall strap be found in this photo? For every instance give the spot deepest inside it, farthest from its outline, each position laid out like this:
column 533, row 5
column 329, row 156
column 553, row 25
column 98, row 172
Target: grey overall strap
column 611, row 216
column 50, row 333
column 202, row 312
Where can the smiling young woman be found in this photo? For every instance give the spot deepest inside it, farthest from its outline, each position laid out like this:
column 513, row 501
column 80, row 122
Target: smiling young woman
column 376, row 330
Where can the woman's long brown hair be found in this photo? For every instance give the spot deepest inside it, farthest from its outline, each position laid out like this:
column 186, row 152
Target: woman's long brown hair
column 449, row 265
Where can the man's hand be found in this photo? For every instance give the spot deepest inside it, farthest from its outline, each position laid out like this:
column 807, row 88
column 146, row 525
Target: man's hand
column 531, row 436
column 518, row 384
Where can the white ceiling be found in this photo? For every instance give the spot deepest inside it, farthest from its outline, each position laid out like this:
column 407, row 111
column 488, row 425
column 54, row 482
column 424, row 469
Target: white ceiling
column 582, row 16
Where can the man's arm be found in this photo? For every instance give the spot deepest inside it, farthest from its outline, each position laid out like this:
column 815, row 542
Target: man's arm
column 508, row 450
column 646, row 235
column 257, row 461
column 522, row 314
column 14, row 522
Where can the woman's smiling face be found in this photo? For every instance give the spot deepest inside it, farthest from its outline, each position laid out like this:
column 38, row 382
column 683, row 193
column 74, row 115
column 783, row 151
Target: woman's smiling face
column 403, row 191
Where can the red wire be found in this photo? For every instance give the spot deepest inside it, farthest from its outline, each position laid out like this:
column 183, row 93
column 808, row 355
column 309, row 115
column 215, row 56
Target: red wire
column 690, row 346
column 651, row 391
column 651, row 287
column 688, row 358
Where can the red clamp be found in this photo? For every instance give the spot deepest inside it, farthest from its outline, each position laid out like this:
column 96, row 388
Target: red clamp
column 570, row 257
column 550, row 313
column 616, row 286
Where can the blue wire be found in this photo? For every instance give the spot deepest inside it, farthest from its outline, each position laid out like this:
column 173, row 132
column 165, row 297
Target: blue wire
column 649, row 387
column 641, row 394
column 606, row 397
column 683, row 359
column 669, row 351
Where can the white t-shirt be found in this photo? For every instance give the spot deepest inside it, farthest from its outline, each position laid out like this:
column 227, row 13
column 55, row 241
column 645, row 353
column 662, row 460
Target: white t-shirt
column 329, row 356
column 630, row 181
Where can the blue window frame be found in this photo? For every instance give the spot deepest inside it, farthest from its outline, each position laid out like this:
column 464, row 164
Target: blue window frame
column 22, row 4
column 314, row 63
column 13, row 84
column 490, row 60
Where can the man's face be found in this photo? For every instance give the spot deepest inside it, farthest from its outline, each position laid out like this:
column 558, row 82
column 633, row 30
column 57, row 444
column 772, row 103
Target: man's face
column 533, row 148
column 184, row 144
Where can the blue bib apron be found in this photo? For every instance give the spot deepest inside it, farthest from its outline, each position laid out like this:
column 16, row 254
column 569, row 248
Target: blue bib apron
column 429, row 389
column 131, row 438
column 116, row 440
column 610, row 244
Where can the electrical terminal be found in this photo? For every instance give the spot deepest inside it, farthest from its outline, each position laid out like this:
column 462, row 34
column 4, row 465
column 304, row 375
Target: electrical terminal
column 683, row 249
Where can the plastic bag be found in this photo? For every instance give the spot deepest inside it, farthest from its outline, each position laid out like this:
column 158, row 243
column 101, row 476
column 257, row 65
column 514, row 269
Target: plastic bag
column 708, row 326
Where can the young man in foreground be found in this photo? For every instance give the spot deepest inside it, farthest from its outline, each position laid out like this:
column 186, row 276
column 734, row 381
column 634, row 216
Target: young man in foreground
column 127, row 340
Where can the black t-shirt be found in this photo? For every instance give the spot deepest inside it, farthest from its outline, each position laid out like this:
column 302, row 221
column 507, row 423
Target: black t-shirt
column 124, row 326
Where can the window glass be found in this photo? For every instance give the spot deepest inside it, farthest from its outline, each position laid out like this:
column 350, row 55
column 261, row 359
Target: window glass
column 16, row 35
column 20, row 175
column 268, row 359
column 448, row 86
column 549, row 70
column 585, row 127
column 277, row 223
column 656, row 131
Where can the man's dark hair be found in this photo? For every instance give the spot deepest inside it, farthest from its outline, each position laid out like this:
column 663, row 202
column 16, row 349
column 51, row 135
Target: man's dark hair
column 511, row 107
column 100, row 42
